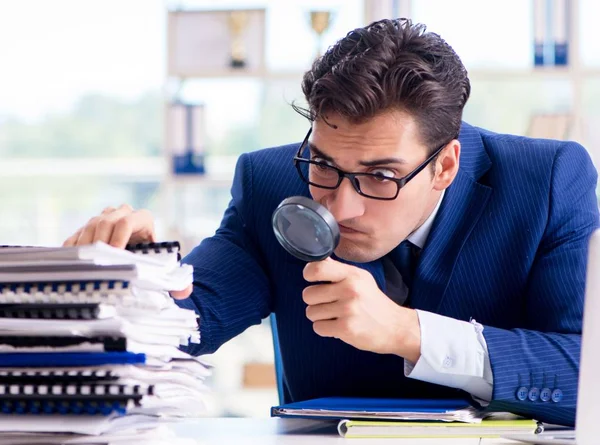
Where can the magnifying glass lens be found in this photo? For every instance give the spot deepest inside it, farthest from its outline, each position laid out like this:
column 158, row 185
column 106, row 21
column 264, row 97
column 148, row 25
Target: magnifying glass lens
column 305, row 228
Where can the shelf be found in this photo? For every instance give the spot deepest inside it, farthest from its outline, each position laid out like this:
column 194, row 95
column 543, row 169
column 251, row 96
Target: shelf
column 133, row 169
column 125, row 169
column 521, row 74
column 221, row 180
column 541, row 73
column 232, row 73
column 591, row 72
column 495, row 74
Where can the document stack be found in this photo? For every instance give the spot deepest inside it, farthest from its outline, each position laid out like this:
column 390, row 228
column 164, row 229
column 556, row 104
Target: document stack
column 89, row 345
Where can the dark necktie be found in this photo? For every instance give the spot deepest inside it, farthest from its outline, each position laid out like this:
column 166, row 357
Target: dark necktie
column 404, row 258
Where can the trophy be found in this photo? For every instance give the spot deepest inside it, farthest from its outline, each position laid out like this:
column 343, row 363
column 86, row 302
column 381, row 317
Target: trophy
column 319, row 22
column 238, row 20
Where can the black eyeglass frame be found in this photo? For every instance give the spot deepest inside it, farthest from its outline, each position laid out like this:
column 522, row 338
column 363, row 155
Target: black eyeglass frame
column 352, row 176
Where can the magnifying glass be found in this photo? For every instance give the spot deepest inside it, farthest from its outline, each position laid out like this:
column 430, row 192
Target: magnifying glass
column 305, row 228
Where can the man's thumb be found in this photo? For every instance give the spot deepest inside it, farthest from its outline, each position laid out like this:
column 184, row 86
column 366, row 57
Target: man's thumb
column 182, row 294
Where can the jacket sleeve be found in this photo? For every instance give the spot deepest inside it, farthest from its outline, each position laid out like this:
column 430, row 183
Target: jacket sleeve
column 546, row 353
column 231, row 290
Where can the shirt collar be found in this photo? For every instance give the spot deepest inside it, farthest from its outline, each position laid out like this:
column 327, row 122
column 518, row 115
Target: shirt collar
column 419, row 236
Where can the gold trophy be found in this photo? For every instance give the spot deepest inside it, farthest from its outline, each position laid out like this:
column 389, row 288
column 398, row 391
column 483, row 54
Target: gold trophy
column 238, row 20
column 319, row 22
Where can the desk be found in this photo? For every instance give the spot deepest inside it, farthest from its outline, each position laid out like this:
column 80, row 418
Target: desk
column 225, row 431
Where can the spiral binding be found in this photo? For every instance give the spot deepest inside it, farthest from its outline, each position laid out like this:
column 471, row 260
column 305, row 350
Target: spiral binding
column 62, row 311
column 65, row 292
column 111, row 344
column 69, row 390
column 149, row 248
column 71, row 398
column 156, row 248
column 65, row 286
column 96, row 399
column 56, row 376
column 114, row 292
column 81, row 406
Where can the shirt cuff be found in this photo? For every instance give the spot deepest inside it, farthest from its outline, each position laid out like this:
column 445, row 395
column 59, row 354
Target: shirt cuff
column 454, row 354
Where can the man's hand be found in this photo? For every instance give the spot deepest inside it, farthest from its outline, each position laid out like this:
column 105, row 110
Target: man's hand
column 119, row 227
column 352, row 308
column 116, row 227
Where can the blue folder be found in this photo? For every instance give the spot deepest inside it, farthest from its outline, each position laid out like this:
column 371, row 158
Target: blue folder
column 52, row 359
column 369, row 408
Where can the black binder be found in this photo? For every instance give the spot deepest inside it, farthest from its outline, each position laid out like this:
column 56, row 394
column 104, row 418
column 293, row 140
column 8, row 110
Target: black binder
column 51, row 311
column 109, row 344
column 155, row 248
column 113, row 292
column 70, row 398
column 30, row 376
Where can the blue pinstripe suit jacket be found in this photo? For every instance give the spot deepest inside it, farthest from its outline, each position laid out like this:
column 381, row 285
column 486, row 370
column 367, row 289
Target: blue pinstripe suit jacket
column 508, row 248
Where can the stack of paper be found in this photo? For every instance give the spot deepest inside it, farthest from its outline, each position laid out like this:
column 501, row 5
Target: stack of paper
column 89, row 344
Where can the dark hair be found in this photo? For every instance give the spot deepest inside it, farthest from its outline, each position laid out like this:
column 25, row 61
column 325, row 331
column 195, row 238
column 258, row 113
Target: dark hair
column 390, row 64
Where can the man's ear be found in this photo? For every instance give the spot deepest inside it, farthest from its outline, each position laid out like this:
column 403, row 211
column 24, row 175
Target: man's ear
column 446, row 165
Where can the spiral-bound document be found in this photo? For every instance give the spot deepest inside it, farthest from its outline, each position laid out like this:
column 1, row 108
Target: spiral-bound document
column 148, row 265
column 98, row 253
column 172, row 333
column 44, row 343
column 71, row 398
column 57, row 311
column 142, row 275
column 42, row 359
column 189, row 372
column 113, row 292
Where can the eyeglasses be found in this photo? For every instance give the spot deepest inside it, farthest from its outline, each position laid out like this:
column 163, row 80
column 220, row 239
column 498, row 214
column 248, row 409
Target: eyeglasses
column 369, row 185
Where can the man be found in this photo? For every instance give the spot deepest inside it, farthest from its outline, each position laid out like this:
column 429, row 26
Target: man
column 461, row 263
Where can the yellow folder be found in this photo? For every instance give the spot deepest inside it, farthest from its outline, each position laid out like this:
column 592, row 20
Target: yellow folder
column 392, row 429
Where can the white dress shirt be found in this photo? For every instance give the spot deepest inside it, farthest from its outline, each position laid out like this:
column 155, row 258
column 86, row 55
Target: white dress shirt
column 453, row 352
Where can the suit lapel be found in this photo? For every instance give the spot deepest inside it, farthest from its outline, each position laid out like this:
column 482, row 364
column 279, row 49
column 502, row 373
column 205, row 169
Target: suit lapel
column 463, row 205
column 461, row 209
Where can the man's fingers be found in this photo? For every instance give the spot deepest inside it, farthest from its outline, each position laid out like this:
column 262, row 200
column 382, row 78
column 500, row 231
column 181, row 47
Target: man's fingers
column 182, row 294
column 100, row 227
column 87, row 233
column 116, row 227
column 327, row 328
column 108, row 210
column 320, row 294
column 72, row 240
column 121, row 233
column 327, row 270
column 104, row 230
column 326, row 311
column 143, row 227
column 135, row 227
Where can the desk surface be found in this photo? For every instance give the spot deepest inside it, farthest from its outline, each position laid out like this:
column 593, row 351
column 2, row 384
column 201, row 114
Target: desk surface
column 263, row 431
